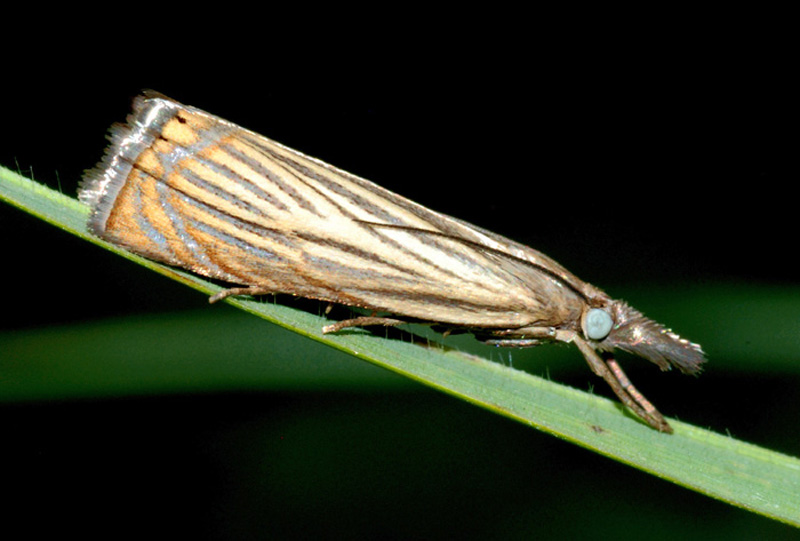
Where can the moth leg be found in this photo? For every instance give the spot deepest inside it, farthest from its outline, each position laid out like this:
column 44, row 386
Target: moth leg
column 626, row 384
column 252, row 290
column 513, row 342
column 361, row 322
column 610, row 371
column 533, row 337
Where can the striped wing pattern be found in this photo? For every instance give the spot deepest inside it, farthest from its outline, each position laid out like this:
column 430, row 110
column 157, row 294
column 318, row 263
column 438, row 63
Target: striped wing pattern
column 193, row 190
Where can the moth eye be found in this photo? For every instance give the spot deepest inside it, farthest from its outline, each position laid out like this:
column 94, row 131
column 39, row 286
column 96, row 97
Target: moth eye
column 597, row 324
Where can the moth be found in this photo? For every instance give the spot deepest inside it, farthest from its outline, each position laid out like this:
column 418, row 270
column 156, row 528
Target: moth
column 186, row 188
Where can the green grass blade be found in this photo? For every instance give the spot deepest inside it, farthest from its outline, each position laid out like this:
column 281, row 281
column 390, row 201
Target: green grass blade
column 745, row 475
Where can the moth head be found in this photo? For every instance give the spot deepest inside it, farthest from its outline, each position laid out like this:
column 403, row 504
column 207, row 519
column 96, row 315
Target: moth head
column 618, row 326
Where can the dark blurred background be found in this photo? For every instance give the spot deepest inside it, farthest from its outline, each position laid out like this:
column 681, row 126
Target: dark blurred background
column 640, row 164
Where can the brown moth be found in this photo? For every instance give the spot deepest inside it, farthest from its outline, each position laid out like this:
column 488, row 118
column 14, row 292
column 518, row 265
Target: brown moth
column 187, row 188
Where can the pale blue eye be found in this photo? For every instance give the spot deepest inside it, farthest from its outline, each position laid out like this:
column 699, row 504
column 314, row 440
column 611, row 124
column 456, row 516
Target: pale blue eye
column 598, row 324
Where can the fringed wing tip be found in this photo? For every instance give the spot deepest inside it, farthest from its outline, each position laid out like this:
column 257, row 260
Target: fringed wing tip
column 101, row 184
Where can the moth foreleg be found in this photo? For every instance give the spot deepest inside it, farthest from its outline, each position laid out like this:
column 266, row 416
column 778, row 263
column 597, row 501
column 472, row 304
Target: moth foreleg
column 629, row 395
column 647, row 406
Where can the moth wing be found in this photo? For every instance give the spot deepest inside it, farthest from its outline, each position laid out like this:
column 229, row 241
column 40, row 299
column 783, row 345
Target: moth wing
column 193, row 190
